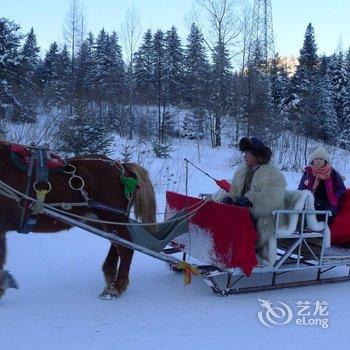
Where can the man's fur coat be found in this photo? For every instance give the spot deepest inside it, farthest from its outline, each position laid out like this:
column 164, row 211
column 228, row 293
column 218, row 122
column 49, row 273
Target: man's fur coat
column 266, row 194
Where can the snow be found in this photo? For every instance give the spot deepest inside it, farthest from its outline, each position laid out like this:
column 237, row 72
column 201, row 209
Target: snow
column 60, row 278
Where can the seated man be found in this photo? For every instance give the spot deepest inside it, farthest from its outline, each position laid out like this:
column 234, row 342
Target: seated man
column 259, row 186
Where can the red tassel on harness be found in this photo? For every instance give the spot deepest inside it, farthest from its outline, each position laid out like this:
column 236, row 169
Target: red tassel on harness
column 225, row 185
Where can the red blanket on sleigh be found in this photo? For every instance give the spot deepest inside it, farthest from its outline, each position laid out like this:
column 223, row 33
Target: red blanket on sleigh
column 340, row 227
column 231, row 229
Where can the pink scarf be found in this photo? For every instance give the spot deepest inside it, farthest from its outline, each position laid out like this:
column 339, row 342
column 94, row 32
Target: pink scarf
column 320, row 174
column 315, row 175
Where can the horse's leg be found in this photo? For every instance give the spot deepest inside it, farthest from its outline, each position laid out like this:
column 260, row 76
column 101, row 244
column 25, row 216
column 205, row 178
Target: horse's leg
column 116, row 286
column 125, row 255
column 2, row 256
column 110, row 265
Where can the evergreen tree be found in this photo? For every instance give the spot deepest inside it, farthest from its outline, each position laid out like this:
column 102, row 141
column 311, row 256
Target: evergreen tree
column 259, row 105
column 308, row 57
column 347, row 66
column 302, row 104
column 340, row 94
column 143, row 69
column 328, row 127
column 108, row 71
column 194, row 121
column 83, row 133
column 195, row 89
column 118, row 73
column 28, row 78
column 10, row 37
column 279, row 82
column 83, row 83
column 159, row 79
column 346, row 101
column 196, row 70
column 173, row 66
column 47, row 69
column 56, row 75
column 220, row 86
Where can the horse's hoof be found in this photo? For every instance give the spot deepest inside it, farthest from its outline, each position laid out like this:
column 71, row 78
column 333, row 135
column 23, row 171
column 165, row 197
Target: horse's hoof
column 107, row 296
column 7, row 280
column 122, row 285
column 109, row 293
column 2, row 292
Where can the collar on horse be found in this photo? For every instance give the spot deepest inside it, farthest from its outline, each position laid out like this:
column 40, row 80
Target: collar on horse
column 39, row 160
column 21, row 156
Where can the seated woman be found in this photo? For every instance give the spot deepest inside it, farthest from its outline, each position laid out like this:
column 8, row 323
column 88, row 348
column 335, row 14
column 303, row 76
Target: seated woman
column 324, row 182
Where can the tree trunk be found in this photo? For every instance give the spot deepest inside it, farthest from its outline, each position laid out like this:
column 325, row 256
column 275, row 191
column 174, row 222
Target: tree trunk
column 305, row 151
column 217, row 130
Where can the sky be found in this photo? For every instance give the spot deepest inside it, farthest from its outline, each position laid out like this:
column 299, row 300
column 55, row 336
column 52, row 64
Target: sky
column 330, row 18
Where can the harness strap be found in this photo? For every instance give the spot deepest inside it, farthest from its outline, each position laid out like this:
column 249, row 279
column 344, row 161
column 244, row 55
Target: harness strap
column 40, row 158
column 106, row 207
column 23, row 227
column 42, row 171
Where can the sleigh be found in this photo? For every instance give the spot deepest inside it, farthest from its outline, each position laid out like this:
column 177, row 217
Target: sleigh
column 221, row 242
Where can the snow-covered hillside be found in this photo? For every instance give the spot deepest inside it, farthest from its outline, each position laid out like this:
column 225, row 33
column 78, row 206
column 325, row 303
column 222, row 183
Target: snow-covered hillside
column 57, row 305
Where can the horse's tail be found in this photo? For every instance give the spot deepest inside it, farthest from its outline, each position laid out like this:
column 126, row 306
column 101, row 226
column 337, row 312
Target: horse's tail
column 145, row 205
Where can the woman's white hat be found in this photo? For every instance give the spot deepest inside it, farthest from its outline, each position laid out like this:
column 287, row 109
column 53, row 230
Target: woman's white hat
column 320, row 152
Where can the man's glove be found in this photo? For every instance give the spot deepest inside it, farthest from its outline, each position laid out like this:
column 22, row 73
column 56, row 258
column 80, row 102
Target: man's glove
column 243, row 202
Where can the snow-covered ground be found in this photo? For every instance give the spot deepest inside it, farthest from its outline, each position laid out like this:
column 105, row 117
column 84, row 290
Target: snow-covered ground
column 57, row 305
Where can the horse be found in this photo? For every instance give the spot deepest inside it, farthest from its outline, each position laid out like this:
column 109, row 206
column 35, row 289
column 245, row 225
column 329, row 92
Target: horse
column 102, row 183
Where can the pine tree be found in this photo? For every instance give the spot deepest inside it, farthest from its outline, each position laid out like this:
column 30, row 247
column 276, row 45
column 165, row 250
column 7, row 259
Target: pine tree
column 308, row 57
column 143, row 70
column 118, row 72
column 10, row 38
column 259, row 102
column 193, row 127
column 221, row 80
column 47, row 69
column 196, row 70
column 346, row 101
column 108, row 71
column 84, row 63
column 279, row 82
column 56, row 75
column 159, row 79
column 28, row 77
column 340, row 94
column 173, row 66
column 196, row 80
column 327, row 123
column 83, row 133
column 302, row 105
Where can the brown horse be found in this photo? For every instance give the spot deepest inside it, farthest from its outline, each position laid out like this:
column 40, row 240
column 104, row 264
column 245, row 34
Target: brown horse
column 102, row 184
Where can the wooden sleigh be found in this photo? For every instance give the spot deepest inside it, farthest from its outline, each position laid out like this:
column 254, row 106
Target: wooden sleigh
column 303, row 257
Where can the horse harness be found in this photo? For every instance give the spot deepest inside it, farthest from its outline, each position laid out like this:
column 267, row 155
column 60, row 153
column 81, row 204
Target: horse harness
column 40, row 160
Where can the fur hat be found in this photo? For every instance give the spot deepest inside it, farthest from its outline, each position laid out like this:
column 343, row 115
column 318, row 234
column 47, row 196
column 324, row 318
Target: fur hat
column 320, row 152
column 259, row 150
